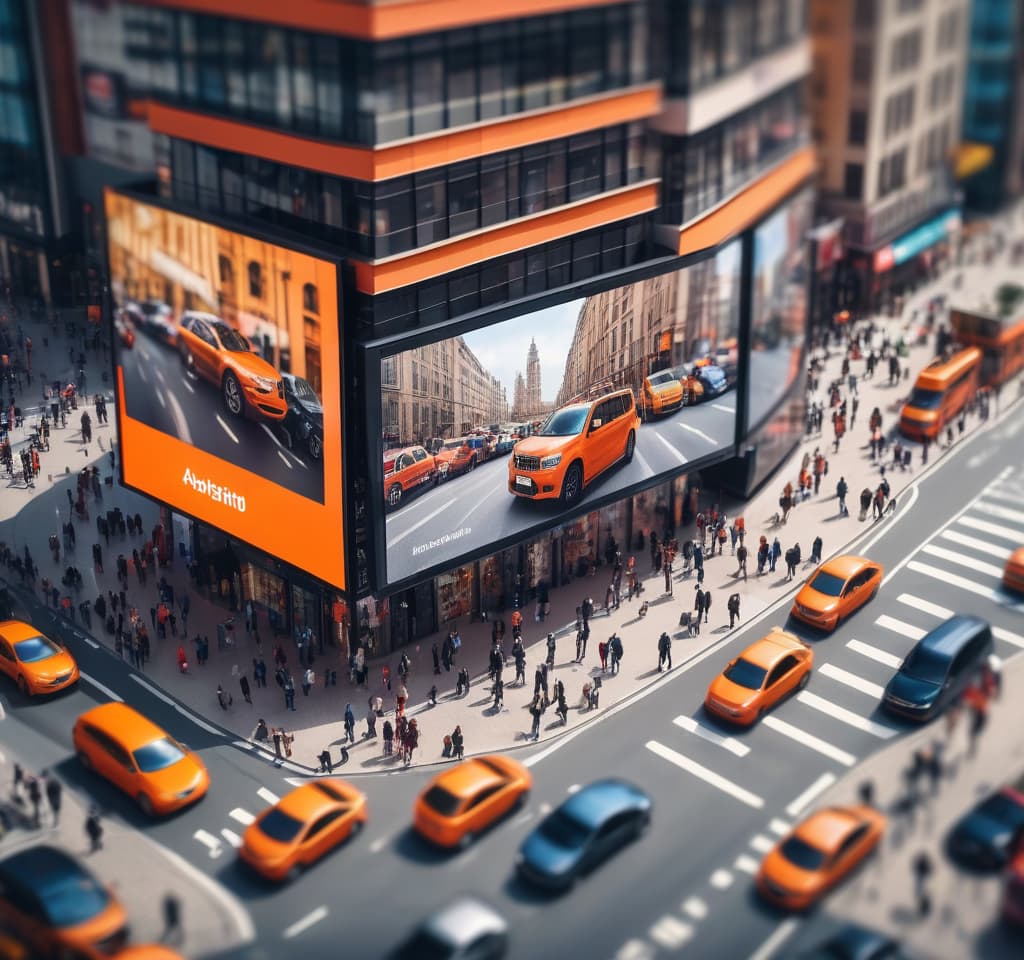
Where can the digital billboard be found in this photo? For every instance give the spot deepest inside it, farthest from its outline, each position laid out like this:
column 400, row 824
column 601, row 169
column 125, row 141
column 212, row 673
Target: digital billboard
column 778, row 305
column 515, row 426
column 229, row 393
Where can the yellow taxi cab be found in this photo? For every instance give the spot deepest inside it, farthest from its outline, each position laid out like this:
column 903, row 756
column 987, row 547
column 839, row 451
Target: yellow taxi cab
column 302, row 827
column 1013, row 575
column 662, row 393
column 466, row 799
column 837, row 589
column 139, row 758
column 34, row 662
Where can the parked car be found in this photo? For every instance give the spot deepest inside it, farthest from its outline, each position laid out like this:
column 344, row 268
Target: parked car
column 701, row 382
column 988, row 836
column 304, row 422
column 124, row 329
column 158, row 321
column 406, row 470
column 504, row 444
column 662, row 392
column 456, row 457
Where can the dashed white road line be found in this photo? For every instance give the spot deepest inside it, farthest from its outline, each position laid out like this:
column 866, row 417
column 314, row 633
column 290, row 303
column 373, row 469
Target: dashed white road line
column 695, row 907
column 160, row 397
column 925, row 606
column 242, row 816
column 699, row 433
column 779, row 827
column 810, row 741
column 92, row 681
column 761, row 843
column 780, row 935
column 673, row 450
column 746, row 864
column 284, row 460
column 899, row 626
column 85, row 638
column 851, row 680
column 281, row 446
column 698, row 729
column 953, row 580
column 953, row 556
column 226, row 428
column 267, row 795
column 379, row 844
column 635, row 949
column 879, row 656
column 188, row 386
column 419, row 523
column 803, row 801
column 708, row 776
column 670, row 932
column 573, row 788
column 232, row 838
column 721, row 879
column 309, row 920
column 180, row 420
column 982, row 546
column 722, row 406
column 1005, row 635
column 848, row 717
column 209, row 841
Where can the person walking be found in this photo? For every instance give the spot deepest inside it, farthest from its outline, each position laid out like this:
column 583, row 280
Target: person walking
column 774, row 555
column 816, row 548
column 223, row 697
column 410, row 742
column 94, row 830
column 308, row 679
column 733, row 606
column 519, row 655
column 922, row 868
column 615, row 647
column 259, row 671
column 664, row 651
column 172, row 919
column 841, row 491
column 667, row 568
column 536, row 712
column 698, row 604
column 762, row 554
column 706, row 604
column 437, row 660
column 54, row 792
column 458, row 743
column 374, row 706
column 35, row 797
column 289, row 692
column 551, row 649
column 350, row 724
column 243, row 682
column 741, row 560
column 389, row 738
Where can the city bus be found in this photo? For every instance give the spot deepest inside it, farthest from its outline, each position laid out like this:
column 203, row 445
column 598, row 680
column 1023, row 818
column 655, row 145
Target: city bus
column 942, row 390
column 1001, row 342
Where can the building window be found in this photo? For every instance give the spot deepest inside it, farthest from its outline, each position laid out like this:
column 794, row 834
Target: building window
column 892, row 173
column 858, row 127
column 863, row 63
column 226, row 271
column 310, row 298
column 905, row 52
column 853, row 181
column 255, row 279
column 864, row 14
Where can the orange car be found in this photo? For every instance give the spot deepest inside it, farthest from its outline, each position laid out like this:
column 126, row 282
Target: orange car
column 466, row 799
column 302, row 827
column 1013, row 575
column 455, row 457
column 34, row 662
column 54, row 907
column 405, row 470
column 817, row 855
column 136, row 756
column 576, row 444
column 662, row 393
column 837, row 589
column 767, row 671
column 212, row 350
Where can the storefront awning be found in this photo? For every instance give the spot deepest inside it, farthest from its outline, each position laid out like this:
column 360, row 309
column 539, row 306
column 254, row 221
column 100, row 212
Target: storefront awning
column 918, row 240
column 972, row 157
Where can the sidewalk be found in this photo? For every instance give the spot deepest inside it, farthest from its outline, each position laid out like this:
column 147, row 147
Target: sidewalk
column 317, row 721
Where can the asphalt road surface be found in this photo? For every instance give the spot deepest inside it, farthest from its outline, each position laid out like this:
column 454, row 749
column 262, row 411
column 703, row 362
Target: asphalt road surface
column 476, row 509
column 159, row 394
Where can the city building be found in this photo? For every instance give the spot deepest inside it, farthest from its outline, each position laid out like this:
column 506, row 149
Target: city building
column 887, row 108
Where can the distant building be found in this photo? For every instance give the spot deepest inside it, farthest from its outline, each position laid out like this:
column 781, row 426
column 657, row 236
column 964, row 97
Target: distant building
column 533, row 399
column 519, row 397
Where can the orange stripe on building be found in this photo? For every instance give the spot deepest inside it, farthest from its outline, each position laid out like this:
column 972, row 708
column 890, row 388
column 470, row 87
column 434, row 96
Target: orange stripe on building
column 749, row 205
column 422, row 153
column 381, row 276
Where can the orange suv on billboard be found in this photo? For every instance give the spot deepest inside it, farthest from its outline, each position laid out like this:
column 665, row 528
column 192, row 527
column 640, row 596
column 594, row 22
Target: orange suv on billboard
column 218, row 353
column 405, row 470
column 576, row 444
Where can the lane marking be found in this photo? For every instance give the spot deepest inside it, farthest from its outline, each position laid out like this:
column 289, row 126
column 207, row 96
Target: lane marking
column 226, row 428
column 852, row 680
column 188, row 386
column 180, row 420
column 92, row 681
column 160, row 695
column 953, row 580
column 160, row 397
column 209, row 728
column 1002, row 513
column 925, row 606
column 762, row 844
column 379, row 844
column 899, row 626
column 703, row 773
column 721, row 879
column 309, row 920
column 267, row 795
column 904, row 509
column 810, row 741
column 782, row 933
column 746, row 864
column 1014, row 639
column 676, row 453
column 284, row 460
column 87, row 639
column 880, row 656
column 695, row 907
column 993, row 529
column 722, row 406
column 1001, row 493
column 209, row 841
column 242, row 816
column 699, row 433
column 270, row 433
column 573, row 788
column 978, row 566
column 982, row 546
column 803, row 801
column 143, row 374
column 232, row 838
column 634, row 949
column 670, row 932
column 846, row 716
column 419, row 523
column 779, row 827
column 729, row 743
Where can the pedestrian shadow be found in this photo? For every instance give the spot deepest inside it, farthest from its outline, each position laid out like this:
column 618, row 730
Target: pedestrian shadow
column 721, row 629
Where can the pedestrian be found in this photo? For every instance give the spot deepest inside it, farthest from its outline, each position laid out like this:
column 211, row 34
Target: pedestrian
column 519, row 655
column 602, row 652
column 261, row 734
column 615, row 648
column 977, row 705
column 842, row 488
column 350, row 724
column 308, row 679
column 289, row 692
column 741, row 559
column 816, row 548
column 94, row 830
column 733, row 606
column 53, row 795
column 922, row 868
column 706, row 604
column 172, row 919
column 373, row 704
column 774, row 555
column 403, row 695
column 259, row 670
column 457, row 742
column 499, row 691
column 389, row 738
column 437, row 660
column 664, row 651
column 536, row 712
column 35, row 797
column 410, row 742
column 326, row 764
column 223, row 697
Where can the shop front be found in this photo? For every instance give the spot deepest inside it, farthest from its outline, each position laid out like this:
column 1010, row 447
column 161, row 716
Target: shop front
column 901, row 266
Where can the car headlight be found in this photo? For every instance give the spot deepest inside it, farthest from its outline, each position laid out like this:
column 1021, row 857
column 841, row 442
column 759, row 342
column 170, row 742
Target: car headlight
column 263, row 383
column 548, row 462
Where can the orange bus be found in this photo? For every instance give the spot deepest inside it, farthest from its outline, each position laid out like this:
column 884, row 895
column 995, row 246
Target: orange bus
column 1001, row 342
column 942, row 390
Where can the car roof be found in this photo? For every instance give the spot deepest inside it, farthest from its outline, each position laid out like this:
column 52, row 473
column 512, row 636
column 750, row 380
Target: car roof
column 595, row 803
column 202, row 315
column 17, row 630
column 37, row 866
column 827, row 828
column 767, row 651
column 309, row 801
column 395, row 451
column 845, row 566
column 125, row 724
column 947, row 638
column 463, row 920
column 469, row 778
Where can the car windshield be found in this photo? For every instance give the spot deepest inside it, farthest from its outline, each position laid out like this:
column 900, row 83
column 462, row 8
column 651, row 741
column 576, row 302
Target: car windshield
column 563, row 830
column 158, row 755
column 439, row 799
column 231, row 339
column 828, row 584
column 802, row 854
column 925, row 399
column 279, row 826
column 73, row 898
column 746, row 674
column 423, row 945
column 1001, row 808
column 35, row 649
column 925, row 664
column 304, row 391
column 565, row 423
column 666, row 376
column 454, row 444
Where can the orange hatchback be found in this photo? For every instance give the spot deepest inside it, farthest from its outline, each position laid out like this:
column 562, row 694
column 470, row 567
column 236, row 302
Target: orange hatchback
column 766, row 672
column 836, row 590
column 34, row 662
column 406, row 469
column 466, row 799
column 1013, row 575
column 218, row 353
column 136, row 756
column 817, row 855
column 302, row 827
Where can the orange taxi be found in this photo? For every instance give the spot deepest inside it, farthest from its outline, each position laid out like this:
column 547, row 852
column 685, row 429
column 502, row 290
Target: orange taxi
column 406, row 469
column 455, row 457
column 817, row 855
column 302, row 827
column 1013, row 575
column 138, row 757
column 837, row 589
column 767, row 671
column 662, row 392
column 466, row 799
column 34, row 662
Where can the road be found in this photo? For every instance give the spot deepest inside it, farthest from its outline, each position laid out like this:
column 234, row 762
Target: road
column 476, row 509
column 159, row 394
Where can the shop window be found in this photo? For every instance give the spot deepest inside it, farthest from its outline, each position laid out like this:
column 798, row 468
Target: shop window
column 255, row 279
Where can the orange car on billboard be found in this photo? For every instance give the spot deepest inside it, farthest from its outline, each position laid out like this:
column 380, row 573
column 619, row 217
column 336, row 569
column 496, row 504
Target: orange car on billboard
column 406, row 469
column 455, row 457
column 219, row 354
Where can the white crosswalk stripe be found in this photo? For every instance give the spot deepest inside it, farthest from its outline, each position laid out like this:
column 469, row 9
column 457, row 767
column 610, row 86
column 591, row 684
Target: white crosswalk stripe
column 635, row 949
column 745, row 864
column 1015, row 639
column 1005, row 493
column 721, row 879
column 209, row 841
column 848, row 717
column 982, row 546
column 899, row 626
column 978, row 566
column 851, row 680
column 873, row 653
column 671, row 932
column 993, row 529
column 779, row 827
column 698, row 729
column 954, row 580
column 233, row 838
column 809, row 740
column 703, row 773
column 802, row 802
column 695, row 907
column 1003, row 513
column 925, row 606
column 761, row 843
column 242, row 816
column 268, row 796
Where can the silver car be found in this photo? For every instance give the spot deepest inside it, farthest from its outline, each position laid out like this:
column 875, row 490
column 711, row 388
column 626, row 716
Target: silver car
column 466, row 928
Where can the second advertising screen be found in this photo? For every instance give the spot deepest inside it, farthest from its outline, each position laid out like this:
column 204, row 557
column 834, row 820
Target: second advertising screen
column 508, row 428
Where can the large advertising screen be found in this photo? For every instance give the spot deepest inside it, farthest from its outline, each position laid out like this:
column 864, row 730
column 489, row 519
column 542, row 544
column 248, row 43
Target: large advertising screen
column 778, row 305
column 509, row 428
column 229, row 385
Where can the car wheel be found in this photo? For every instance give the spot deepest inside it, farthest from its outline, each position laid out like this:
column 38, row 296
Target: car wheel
column 145, row 804
column 189, row 363
column 315, row 446
column 804, row 680
column 395, row 496
column 466, row 840
column 627, row 457
column 231, row 390
column 357, row 828
column 521, row 800
column 23, row 687
column 572, row 485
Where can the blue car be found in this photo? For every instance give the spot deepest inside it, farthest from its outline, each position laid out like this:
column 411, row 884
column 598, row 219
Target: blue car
column 987, row 837
column 856, row 943
column 590, row 826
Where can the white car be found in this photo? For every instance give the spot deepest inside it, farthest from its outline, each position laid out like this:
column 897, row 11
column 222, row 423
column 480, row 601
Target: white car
column 466, row 928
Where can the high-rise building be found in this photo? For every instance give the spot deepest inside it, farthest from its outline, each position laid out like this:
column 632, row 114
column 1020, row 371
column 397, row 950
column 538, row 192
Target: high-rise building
column 533, row 399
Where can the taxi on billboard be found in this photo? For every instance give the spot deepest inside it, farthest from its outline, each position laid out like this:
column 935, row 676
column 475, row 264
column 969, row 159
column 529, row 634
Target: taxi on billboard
column 662, row 392
column 837, row 589
column 406, row 469
column 455, row 457
column 158, row 321
column 34, row 662
column 575, row 445
column 219, row 354
column 702, row 380
column 139, row 758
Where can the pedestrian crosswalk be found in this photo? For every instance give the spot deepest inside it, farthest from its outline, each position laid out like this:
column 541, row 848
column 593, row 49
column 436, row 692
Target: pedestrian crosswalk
column 228, row 837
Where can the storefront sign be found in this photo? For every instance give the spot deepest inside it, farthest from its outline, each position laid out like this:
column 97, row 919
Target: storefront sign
column 913, row 243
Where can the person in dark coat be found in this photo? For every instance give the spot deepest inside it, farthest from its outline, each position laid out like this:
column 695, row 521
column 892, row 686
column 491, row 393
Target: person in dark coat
column 707, row 604
column 664, row 651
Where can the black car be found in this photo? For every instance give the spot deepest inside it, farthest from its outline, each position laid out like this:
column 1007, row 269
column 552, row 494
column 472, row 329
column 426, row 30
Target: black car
column 855, row 943
column 986, row 838
column 304, row 421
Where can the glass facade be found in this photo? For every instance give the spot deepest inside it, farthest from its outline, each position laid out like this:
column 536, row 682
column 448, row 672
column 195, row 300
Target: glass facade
column 393, row 216
column 337, row 88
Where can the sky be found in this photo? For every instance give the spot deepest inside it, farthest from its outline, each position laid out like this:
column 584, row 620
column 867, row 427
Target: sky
column 501, row 348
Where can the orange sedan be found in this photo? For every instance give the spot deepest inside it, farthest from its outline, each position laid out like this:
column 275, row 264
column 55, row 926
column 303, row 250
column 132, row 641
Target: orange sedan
column 302, row 827
column 837, row 589
column 767, row 671
column 817, row 855
column 466, row 799
column 136, row 756
column 1013, row 575
column 34, row 662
